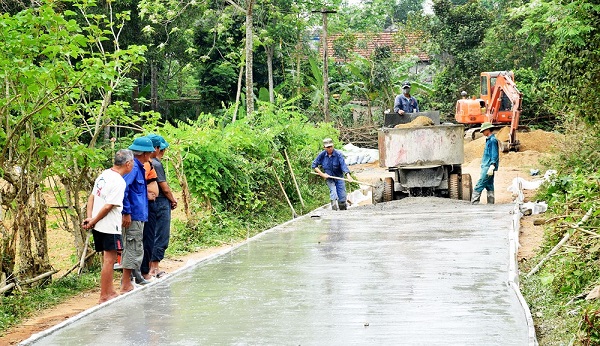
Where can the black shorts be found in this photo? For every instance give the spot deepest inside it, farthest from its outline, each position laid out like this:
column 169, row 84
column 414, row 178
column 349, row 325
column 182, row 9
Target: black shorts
column 107, row 242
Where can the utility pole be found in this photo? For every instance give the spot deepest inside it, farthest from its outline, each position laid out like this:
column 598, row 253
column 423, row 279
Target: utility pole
column 324, row 12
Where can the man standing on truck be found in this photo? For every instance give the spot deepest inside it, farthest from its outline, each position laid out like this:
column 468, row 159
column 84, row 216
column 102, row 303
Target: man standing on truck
column 489, row 164
column 405, row 103
column 334, row 166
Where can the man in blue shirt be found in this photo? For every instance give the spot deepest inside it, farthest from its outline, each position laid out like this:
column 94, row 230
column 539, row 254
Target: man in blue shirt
column 489, row 165
column 405, row 103
column 135, row 211
column 332, row 162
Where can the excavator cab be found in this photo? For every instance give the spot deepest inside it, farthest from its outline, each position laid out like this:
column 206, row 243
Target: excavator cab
column 503, row 113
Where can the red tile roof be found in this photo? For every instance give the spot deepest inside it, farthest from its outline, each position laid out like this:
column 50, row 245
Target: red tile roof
column 401, row 45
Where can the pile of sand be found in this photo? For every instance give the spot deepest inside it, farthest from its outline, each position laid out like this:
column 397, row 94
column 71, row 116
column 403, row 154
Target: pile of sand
column 419, row 121
column 537, row 140
column 534, row 145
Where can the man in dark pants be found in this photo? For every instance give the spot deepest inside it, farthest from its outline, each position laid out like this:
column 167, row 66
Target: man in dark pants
column 489, row 165
column 332, row 162
column 164, row 203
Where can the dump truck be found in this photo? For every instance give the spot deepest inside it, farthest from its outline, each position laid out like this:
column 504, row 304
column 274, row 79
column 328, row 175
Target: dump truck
column 426, row 160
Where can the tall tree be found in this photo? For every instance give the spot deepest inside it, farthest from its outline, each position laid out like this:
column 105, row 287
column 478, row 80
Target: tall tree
column 61, row 88
column 457, row 31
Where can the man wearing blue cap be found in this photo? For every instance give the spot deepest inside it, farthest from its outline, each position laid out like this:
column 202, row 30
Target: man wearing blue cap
column 135, row 211
column 160, row 211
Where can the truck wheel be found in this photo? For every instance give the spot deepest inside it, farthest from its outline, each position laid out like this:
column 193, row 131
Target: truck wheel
column 466, row 187
column 388, row 189
column 453, row 186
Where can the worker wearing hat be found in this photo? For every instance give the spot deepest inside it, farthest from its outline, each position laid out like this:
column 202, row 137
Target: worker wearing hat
column 489, row 165
column 135, row 211
column 405, row 103
column 332, row 162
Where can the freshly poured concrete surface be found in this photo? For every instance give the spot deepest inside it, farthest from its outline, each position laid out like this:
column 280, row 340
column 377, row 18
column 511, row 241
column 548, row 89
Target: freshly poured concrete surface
column 421, row 271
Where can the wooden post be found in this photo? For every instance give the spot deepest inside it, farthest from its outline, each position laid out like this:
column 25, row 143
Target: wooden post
column 294, row 215
column 293, row 177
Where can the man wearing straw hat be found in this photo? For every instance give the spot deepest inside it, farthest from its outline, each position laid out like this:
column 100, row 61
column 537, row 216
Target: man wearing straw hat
column 489, row 165
column 332, row 162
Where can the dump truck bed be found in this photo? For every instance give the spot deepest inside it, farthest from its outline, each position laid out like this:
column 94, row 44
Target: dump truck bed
column 421, row 146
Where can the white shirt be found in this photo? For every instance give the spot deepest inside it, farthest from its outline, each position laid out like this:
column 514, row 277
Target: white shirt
column 109, row 188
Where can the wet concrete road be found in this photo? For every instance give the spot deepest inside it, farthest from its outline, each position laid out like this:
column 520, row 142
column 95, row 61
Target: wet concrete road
column 412, row 272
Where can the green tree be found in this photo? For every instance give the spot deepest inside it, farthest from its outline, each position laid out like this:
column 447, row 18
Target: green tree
column 457, row 31
column 62, row 87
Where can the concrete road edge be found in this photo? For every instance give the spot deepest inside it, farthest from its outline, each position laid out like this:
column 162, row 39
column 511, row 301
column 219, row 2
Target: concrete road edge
column 513, row 271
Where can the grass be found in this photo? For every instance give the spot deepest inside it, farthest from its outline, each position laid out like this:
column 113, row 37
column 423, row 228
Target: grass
column 16, row 307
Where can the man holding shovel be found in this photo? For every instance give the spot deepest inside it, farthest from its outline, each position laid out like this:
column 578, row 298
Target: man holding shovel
column 332, row 162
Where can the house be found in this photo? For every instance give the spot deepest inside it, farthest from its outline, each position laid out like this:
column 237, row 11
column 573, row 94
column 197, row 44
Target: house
column 339, row 46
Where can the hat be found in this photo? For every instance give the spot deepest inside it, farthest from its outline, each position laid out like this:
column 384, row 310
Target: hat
column 156, row 139
column 163, row 144
column 486, row 126
column 328, row 142
column 405, row 85
column 143, row 144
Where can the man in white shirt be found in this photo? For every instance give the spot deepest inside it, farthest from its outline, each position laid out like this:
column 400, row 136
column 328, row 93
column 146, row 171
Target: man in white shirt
column 104, row 217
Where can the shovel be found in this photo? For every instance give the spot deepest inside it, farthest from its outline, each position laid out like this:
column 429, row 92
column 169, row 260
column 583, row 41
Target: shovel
column 350, row 181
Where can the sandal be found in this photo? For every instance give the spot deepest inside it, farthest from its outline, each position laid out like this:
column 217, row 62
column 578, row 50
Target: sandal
column 160, row 274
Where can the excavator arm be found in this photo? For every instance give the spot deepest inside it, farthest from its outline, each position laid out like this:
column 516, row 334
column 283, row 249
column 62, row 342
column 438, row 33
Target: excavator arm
column 505, row 87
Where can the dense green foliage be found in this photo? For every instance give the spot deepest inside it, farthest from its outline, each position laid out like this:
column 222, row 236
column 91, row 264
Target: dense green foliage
column 555, row 293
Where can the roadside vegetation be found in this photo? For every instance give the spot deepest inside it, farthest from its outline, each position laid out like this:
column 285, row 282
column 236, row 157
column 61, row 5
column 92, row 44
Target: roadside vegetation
column 237, row 88
column 557, row 292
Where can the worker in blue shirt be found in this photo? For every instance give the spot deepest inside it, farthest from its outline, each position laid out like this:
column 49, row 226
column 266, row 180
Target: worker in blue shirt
column 135, row 211
column 332, row 162
column 489, row 165
column 405, row 103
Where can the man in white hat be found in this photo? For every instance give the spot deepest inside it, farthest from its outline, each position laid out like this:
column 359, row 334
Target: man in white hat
column 332, row 162
column 489, row 165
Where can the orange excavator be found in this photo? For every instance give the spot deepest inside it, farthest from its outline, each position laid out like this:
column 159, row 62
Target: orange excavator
column 499, row 103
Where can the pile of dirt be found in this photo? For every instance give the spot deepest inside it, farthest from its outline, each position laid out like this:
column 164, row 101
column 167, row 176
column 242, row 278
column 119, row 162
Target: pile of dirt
column 532, row 143
column 419, row 121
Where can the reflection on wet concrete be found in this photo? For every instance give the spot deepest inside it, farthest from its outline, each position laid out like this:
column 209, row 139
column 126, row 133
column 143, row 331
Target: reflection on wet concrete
column 428, row 273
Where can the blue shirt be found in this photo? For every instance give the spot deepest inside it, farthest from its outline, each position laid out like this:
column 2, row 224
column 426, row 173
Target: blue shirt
column 135, row 201
column 408, row 105
column 333, row 165
column 490, row 153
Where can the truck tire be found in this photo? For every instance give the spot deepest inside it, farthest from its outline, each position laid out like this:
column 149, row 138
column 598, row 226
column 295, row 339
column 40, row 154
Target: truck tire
column 466, row 187
column 388, row 189
column 454, row 186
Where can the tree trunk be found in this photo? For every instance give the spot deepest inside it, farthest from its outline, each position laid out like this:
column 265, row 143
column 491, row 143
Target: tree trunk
column 185, row 190
column 30, row 222
column 153, row 86
column 7, row 252
column 74, row 186
column 249, row 49
column 269, row 50
column 238, row 94
column 38, row 228
column 325, row 70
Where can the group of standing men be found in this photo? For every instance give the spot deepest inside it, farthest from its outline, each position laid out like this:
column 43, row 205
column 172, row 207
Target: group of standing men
column 129, row 210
